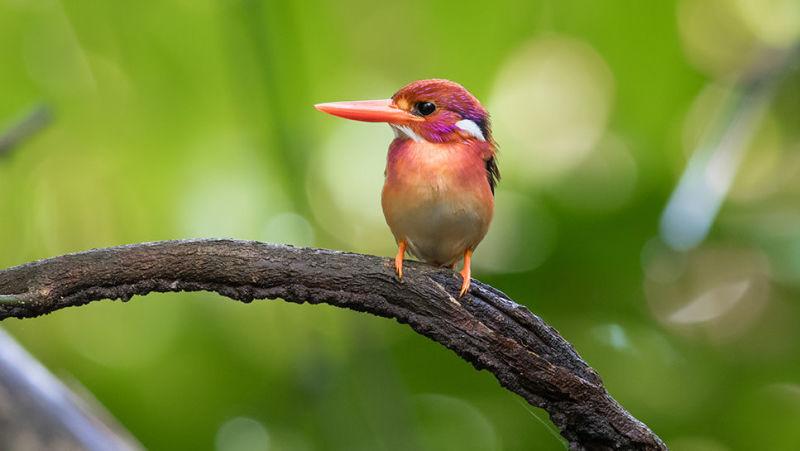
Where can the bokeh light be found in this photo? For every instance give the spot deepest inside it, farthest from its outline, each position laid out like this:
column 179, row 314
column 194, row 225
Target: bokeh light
column 776, row 23
column 242, row 434
column 732, row 38
column 226, row 193
column 550, row 104
column 345, row 187
column 712, row 293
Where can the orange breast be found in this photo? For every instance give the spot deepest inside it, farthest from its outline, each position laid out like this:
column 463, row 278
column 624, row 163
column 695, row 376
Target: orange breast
column 437, row 198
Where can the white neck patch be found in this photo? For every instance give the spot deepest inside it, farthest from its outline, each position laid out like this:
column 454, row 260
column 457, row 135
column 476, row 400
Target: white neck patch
column 401, row 131
column 471, row 128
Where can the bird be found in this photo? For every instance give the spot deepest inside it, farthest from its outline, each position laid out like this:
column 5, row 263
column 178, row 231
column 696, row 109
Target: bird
column 441, row 170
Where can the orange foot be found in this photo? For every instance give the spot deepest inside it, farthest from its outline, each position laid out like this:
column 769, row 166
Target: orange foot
column 398, row 259
column 465, row 273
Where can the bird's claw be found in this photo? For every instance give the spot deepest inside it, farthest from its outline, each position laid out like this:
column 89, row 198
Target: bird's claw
column 398, row 259
column 398, row 269
column 465, row 283
column 466, row 273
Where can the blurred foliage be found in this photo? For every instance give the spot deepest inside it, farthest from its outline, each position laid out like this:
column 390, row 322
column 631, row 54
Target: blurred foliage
column 193, row 118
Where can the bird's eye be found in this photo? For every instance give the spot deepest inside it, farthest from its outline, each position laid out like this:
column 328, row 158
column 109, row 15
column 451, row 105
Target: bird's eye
column 425, row 108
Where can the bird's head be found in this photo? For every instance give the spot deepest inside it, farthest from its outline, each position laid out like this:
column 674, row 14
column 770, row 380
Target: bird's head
column 434, row 110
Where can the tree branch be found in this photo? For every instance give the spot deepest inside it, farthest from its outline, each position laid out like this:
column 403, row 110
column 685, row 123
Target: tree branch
column 485, row 327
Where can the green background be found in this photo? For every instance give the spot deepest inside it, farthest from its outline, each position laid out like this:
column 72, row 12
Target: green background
column 186, row 118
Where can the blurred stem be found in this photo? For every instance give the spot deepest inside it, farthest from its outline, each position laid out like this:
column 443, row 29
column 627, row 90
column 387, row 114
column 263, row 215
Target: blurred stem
column 712, row 168
column 282, row 85
column 36, row 119
column 41, row 413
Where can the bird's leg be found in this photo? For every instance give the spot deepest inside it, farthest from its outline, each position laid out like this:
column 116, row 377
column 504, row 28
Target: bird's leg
column 466, row 275
column 398, row 259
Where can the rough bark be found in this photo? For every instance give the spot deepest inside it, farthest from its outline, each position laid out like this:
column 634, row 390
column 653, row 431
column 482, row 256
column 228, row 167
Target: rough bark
column 485, row 327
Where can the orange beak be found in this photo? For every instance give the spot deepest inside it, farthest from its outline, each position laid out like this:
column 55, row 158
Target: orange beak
column 369, row 111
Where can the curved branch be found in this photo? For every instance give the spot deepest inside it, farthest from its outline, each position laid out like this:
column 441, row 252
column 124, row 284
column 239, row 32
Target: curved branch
column 485, row 327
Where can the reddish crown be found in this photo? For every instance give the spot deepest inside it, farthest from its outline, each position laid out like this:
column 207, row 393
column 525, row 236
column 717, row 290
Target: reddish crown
column 452, row 104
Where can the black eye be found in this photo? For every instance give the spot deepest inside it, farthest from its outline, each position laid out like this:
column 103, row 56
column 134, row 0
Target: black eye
column 425, row 108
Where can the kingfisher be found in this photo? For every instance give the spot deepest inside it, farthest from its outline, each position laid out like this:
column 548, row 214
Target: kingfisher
column 441, row 170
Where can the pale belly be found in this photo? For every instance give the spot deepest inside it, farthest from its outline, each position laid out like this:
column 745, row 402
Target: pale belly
column 439, row 210
column 437, row 231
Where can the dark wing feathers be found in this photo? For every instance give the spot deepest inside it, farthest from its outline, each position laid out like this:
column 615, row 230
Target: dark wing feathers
column 492, row 172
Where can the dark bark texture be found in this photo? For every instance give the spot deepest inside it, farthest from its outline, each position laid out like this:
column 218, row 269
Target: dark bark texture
column 484, row 327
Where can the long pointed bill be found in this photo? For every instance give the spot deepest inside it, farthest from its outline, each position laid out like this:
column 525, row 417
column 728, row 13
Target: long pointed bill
column 368, row 111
